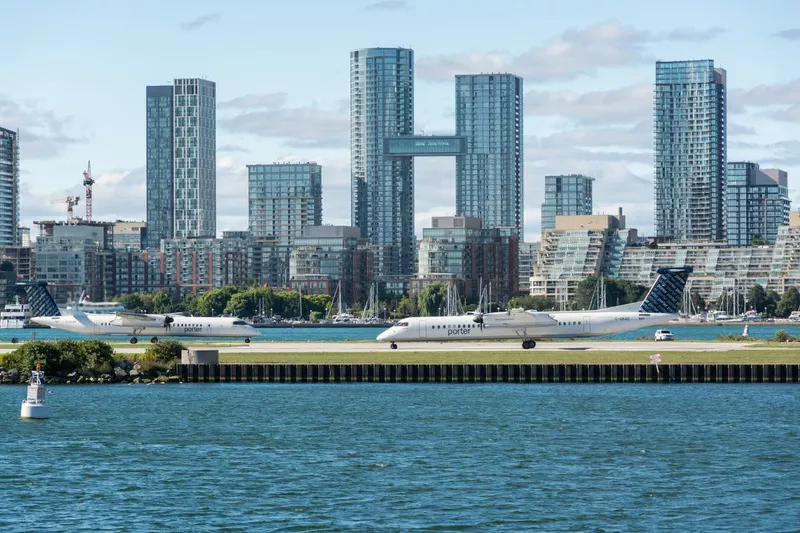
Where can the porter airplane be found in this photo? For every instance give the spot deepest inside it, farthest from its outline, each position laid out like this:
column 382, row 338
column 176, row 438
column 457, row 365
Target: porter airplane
column 47, row 313
column 659, row 307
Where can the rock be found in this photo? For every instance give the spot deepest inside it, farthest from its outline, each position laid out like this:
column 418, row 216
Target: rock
column 106, row 377
column 81, row 379
column 174, row 379
column 146, row 381
column 72, row 375
column 137, row 380
column 120, row 372
column 124, row 365
column 13, row 375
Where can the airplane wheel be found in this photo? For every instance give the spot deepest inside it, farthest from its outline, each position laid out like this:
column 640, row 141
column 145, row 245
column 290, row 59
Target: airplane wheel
column 533, row 344
column 526, row 345
column 134, row 340
column 247, row 341
column 393, row 346
column 154, row 340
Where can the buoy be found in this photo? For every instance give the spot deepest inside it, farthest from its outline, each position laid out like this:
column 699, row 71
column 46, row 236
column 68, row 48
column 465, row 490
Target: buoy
column 34, row 405
column 746, row 332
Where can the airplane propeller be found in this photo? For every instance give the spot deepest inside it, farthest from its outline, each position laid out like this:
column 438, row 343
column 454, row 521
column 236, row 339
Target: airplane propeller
column 168, row 320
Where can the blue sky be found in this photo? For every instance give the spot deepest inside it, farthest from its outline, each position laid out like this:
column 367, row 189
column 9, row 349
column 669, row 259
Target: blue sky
column 74, row 84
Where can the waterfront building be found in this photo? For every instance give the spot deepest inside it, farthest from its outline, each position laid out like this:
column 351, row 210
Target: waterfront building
column 382, row 188
column 160, row 165
column 565, row 195
column 690, row 135
column 129, row 235
column 461, row 251
column 24, row 236
column 489, row 176
column 283, row 198
column 327, row 257
column 528, row 258
column 181, row 160
column 757, row 203
column 9, row 187
column 199, row 265
column 21, row 258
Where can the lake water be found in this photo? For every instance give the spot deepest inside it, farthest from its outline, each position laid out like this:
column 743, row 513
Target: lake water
column 381, row 457
column 682, row 332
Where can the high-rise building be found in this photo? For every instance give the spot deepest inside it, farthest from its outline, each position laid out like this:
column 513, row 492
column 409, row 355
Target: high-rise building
column 9, row 187
column 283, row 198
column 489, row 177
column 181, row 160
column 757, row 203
column 528, row 257
column 195, row 109
column 160, row 163
column 382, row 188
column 690, row 151
column 565, row 195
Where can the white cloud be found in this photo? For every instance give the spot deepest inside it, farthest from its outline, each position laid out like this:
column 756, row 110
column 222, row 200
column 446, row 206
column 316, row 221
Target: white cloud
column 43, row 134
column 627, row 104
column 199, row 22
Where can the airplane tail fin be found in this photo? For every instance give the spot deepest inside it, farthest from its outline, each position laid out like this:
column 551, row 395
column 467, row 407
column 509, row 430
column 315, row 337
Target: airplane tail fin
column 666, row 293
column 39, row 298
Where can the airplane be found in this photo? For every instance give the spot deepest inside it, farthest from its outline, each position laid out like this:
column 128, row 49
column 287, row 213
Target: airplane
column 658, row 308
column 46, row 313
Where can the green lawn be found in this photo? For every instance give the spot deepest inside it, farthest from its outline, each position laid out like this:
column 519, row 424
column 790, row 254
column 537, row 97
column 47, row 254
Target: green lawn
column 531, row 356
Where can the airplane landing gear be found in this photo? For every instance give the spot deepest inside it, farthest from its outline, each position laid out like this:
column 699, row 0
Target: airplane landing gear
column 528, row 344
column 247, row 340
column 393, row 346
column 154, row 340
column 134, row 340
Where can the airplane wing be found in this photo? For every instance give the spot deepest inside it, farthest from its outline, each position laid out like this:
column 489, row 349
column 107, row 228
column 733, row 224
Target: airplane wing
column 137, row 320
column 519, row 318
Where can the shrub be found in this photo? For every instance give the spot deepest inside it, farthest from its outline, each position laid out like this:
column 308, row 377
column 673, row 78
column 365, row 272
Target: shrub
column 164, row 351
column 782, row 336
column 62, row 357
column 97, row 356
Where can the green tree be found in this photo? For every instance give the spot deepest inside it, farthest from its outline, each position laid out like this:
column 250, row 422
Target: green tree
column 133, row 302
column 790, row 301
column 188, row 306
column 406, row 307
column 757, row 297
column 538, row 303
column 771, row 305
column 214, row 302
column 432, row 298
column 250, row 302
column 698, row 302
column 163, row 303
column 164, row 351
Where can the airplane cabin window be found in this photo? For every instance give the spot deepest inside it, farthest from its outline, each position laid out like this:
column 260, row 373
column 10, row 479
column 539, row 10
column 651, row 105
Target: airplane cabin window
column 402, row 325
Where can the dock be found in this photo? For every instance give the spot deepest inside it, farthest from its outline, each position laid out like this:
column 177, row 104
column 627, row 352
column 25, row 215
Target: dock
column 488, row 373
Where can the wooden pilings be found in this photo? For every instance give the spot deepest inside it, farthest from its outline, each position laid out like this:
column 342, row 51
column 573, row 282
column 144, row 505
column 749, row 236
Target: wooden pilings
column 489, row 373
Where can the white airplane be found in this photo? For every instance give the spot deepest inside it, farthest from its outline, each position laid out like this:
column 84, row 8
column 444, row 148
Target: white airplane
column 658, row 308
column 47, row 313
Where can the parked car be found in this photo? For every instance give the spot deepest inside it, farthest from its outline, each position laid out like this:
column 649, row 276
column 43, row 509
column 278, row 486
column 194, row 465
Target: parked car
column 664, row 335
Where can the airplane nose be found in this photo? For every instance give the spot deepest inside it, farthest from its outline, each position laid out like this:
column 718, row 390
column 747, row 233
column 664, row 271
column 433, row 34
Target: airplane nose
column 385, row 336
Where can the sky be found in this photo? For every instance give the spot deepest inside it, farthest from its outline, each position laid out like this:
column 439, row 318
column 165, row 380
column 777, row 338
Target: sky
column 74, row 85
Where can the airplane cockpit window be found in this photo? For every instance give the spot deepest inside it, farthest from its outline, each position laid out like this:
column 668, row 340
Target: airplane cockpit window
column 239, row 323
column 402, row 324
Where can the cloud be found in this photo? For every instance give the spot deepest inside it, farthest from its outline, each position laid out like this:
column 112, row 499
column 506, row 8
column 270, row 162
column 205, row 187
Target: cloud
column 575, row 53
column 254, row 101
column 627, row 104
column 766, row 95
column 199, row 22
column 230, row 148
column 387, row 5
column 299, row 127
column 638, row 136
column 791, row 35
column 43, row 134
column 740, row 129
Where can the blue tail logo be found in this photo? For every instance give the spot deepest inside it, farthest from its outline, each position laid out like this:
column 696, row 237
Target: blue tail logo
column 39, row 298
column 666, row 293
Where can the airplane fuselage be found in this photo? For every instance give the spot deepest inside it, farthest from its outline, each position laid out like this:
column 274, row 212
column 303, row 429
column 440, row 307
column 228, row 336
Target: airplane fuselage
column 517, row 324
column 181, row 326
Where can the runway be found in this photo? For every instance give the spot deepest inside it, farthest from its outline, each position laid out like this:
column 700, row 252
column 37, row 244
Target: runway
column 377, row 347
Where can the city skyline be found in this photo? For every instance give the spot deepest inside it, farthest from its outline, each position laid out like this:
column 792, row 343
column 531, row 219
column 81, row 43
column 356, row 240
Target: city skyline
column 588, row 110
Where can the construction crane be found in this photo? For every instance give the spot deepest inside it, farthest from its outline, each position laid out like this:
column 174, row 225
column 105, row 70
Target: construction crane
column 71, row 202
column 88, row 182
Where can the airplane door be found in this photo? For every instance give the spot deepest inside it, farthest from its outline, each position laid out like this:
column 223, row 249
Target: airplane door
column 587, row 323
column 423, row 330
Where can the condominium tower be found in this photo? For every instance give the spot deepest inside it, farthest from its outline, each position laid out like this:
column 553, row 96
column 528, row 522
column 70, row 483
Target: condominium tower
column 565, row 195
column 9, row 188
column 690, row 151
column 757, row 203
column 181, row 160
column 489, row 177
column 382, row 188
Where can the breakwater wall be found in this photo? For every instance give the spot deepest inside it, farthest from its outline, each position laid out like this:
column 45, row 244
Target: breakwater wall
column 488, row 373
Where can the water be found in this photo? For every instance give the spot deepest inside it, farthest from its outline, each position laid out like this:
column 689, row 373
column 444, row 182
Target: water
column 367, row 457
column 682, row 332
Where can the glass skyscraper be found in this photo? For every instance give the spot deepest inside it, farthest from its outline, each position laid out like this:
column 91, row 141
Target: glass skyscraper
column 9, row 188
column 565, row 195
column 195, row 108
column 757, row 203
column 282, row 199
column 489, row 178
column 382, row 188
column 690, row 116
column 160, row 182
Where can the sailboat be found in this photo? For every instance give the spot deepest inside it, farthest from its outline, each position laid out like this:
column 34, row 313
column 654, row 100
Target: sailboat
column 340, row 317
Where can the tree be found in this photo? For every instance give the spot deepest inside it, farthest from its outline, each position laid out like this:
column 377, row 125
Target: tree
column 406, row 307
column 538, row 303
column 771, row 305
column 249, row 302
column 162, row 302
column 432, row 298
column 757, row 297
column 214, row 302
column 698, row 302
column 790, row 301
